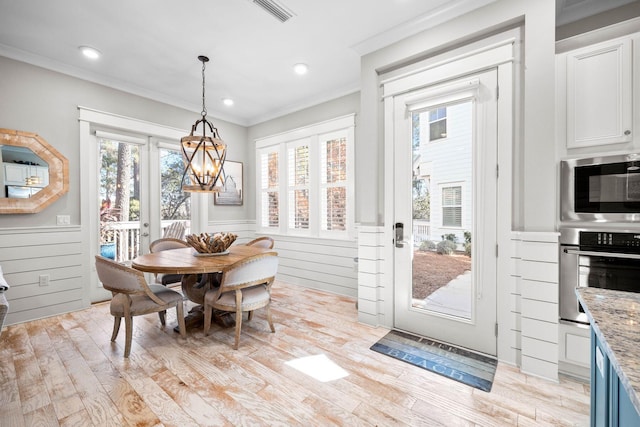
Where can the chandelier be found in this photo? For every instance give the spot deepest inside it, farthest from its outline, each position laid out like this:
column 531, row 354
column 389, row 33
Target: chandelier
column 203, row 152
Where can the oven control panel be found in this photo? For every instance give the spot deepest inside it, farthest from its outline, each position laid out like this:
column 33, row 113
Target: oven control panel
column 610, row 241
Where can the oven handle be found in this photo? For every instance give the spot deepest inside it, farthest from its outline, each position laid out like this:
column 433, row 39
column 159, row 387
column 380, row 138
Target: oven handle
column 595, row 253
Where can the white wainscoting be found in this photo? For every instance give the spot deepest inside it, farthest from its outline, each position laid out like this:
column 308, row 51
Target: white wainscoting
column 28, row 254
column 324, row 264
column 245, row 229
column 513, row 342
column 370, row 275
column 536, row 271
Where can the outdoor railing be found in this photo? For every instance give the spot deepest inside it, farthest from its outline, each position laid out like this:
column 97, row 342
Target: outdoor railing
column 127, row 238
column 421, row 231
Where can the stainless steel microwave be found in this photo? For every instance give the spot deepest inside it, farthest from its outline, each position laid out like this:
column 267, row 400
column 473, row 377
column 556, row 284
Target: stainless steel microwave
column 600, row 189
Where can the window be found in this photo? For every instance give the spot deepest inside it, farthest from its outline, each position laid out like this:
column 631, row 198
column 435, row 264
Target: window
column 269, row 184
column 298, row 184
column 452, row 206
column 437, row 124
column 333, row 183
column 315, row 195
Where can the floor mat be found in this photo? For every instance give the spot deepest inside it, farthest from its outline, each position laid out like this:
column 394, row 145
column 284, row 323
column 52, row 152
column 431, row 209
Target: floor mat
column 456, row 363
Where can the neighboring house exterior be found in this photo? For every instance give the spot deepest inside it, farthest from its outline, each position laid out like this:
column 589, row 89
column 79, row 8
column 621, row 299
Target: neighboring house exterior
column 444, row 161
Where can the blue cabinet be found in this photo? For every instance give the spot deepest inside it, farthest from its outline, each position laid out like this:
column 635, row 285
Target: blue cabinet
column 610, row 403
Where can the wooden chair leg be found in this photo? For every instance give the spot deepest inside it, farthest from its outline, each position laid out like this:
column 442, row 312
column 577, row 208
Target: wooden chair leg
column 116, row 327
column 163, row 317
column 238, row 327
column 207, row 318
column 180, row 314
column 128, row 327
column 269, row 318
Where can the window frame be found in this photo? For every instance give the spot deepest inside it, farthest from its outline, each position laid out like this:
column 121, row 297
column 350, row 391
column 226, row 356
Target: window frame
column 291, row 187
column 461, row 205
column 261, row 191
column 315, row 135
column 444, row 119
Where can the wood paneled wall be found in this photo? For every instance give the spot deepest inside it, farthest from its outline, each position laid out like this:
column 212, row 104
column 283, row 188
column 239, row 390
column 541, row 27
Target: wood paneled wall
column 323, row 264
column 26, row 255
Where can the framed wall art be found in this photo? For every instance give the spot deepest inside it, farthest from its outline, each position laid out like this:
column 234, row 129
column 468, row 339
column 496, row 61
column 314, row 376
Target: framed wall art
column 232, row 195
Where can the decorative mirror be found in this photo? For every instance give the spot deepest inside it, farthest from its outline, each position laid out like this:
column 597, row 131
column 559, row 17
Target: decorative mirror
column 33, row 174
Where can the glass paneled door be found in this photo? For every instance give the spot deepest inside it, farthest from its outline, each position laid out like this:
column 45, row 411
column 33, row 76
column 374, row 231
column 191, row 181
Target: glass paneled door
column 140, row 197
column 445, row 144
column 175, row 204
column 122, row 231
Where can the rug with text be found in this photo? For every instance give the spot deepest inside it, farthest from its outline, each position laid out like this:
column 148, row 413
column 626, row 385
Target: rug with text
column 461, row 365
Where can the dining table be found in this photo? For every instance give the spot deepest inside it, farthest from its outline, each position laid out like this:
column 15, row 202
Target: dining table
column 200, row 273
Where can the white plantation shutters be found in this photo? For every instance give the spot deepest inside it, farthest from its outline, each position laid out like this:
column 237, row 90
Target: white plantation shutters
column 269, row 188
column 452, row 206
column 298, row 185
column 311, row 193
column 333, row 184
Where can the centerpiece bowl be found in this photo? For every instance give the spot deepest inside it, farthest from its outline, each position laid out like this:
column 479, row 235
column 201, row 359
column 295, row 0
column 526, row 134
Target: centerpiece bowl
column 211, row 243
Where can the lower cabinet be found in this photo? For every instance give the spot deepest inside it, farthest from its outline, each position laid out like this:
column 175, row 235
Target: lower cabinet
column 610, row 403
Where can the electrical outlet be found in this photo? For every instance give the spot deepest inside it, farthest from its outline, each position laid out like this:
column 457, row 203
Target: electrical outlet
column 44, row 280
column 63, row 220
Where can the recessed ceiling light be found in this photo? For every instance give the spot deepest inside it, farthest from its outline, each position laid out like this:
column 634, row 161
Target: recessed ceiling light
column 227, row 101
column 90, row 52
column 300, row 69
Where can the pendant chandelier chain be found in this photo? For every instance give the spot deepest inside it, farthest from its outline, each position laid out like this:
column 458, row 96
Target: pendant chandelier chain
column 204, row 108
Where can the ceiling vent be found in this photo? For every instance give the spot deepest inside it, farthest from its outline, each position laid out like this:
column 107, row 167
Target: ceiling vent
column 274, row 9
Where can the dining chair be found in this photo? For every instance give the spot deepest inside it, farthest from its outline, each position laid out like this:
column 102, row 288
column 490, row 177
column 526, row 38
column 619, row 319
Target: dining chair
column 245, row 286
column 164, row 244
column 132, row 296
column 262, row 242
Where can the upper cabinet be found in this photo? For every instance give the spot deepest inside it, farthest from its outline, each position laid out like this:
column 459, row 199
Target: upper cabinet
column 19, row 174
column 599, row 94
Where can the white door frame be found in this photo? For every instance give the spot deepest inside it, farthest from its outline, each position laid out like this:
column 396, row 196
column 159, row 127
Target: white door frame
column 91, row 120
column 501, row 54
column 477, row 331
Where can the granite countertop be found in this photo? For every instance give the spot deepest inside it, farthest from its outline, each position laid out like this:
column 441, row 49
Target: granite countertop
column 615, row 319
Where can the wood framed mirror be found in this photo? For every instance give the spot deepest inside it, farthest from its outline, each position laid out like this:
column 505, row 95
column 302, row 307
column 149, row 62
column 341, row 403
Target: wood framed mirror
column 33, row 174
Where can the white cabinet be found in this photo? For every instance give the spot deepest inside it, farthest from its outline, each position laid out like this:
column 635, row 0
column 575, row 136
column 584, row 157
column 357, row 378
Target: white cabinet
column 17, row 174
column 599, row 94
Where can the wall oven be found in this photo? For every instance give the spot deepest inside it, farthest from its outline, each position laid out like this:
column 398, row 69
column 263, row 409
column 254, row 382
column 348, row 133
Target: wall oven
column 600, row 189
column 598, row 258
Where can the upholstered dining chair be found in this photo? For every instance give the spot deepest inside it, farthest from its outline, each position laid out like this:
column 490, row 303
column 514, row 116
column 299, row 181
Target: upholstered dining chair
column 132, row 296
column 164, row 244
column 245, row 286
column 262, row 242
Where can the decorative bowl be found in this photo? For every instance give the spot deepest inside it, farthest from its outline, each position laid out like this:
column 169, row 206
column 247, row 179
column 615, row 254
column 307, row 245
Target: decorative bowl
column 211, row 243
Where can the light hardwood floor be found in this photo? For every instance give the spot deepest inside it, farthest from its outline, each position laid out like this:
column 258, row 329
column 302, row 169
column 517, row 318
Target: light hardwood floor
column 64, row 371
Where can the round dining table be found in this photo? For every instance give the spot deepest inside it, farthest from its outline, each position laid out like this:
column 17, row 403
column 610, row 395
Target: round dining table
column 200, row 272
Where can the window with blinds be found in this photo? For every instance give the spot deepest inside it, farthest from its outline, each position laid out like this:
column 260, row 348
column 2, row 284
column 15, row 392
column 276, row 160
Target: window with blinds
column 306, row 183
column 298, row 183
column 452, row 206
column 333, row 184
column 269, row 189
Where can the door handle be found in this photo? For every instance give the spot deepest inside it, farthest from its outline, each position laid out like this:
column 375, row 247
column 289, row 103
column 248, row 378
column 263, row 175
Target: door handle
column 145, row 234
column 399, row 240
